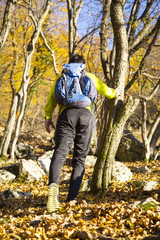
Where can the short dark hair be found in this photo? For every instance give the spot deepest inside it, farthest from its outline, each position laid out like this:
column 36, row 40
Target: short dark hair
column 77, row 59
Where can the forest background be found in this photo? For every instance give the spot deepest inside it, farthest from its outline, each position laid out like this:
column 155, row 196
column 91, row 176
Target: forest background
column 120, row 43
column 63, row 40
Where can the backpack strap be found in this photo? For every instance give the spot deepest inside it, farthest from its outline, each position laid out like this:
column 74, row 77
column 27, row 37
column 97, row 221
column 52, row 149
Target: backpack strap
column 64, row 80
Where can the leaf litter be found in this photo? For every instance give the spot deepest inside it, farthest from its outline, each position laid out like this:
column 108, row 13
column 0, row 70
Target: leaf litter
column 113, row 212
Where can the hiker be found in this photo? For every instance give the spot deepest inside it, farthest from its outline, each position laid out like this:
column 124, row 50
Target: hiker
column 74, row 126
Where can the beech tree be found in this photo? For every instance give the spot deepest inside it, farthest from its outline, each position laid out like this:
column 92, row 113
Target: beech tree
column 74, row 8
column 142, row 27
column 21, row 94
column 150, row 137
column 6, row 25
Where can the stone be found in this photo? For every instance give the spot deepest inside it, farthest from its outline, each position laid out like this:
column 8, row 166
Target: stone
column 149, row 202
column 31, row 169
column 90, row 160
column 23, row 151
column 13, row 168
column 6, row 176
column 143, row 169
column 145, row 203
column 121, row 172
column 85, row 185
column 83, row 235
column 12, row 193
column 45, row 161
column 149, row 186
column 130, row 148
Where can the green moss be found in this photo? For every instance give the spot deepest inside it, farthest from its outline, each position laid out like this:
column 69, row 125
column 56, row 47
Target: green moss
column 147, row 206
column 4, row 220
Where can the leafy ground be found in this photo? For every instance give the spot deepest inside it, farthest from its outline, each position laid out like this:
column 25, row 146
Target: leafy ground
column 109, row 213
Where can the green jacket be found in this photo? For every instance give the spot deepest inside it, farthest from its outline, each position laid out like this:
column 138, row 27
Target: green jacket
column 102, row 89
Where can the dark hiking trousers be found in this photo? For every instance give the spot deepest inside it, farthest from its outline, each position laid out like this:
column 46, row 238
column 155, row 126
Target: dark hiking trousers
column 74, row 126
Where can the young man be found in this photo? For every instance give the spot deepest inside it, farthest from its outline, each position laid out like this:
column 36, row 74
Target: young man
column 74, row 126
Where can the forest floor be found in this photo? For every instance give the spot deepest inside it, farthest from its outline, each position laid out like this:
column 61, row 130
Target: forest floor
column 110, row 213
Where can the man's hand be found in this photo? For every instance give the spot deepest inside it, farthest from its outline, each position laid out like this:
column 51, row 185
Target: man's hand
column 48, row 124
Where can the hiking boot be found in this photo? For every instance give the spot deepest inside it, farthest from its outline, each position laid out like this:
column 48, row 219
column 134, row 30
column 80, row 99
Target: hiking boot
column 53, row 203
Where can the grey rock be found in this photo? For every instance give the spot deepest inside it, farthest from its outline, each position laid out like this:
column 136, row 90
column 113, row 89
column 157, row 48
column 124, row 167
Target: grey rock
column 143, row 169
column 23, row 151
column 45, row 161
column 31, row 169
column 130, row 148
column 85, row 185
column 121, row 172
column 145, row 203
column 90, row 160
column 6, row 176
column 11, row 193
column 150, row 185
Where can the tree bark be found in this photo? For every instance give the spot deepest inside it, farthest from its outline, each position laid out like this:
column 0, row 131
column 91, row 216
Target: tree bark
column 23, row 89
column 156, row 134
column 13, row 109
column 6, row 25
column 146, row 152
column 73, row 13
column 118, row 112
column 26, row 78
column 102, row 174
column 104, row 33
column 150, row 139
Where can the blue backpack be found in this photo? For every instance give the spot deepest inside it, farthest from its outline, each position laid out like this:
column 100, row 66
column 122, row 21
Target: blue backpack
column 74, row 88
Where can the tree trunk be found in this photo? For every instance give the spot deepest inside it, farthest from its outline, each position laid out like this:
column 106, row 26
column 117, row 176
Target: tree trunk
column 155, row 135
column 118, row 112
column 73, row 13
column 102, row 174
column 146, row 152
column 104, row 34
column 23, row 89
column 18, row 122
column 150, row 139
column 6, row 25
column 10, row 124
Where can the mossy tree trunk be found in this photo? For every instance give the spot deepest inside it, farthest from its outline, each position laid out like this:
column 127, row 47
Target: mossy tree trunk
column 118, row 110
column 115, row 63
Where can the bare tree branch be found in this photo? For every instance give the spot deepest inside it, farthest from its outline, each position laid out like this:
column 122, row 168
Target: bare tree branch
column 104, row 33
column 151, row 76
column 87, row 35
column 133, row 17
column 138, row 41
column 35, row 21
column 143, row 60
column 73, row 13
column 146, row 12
column 153, row 92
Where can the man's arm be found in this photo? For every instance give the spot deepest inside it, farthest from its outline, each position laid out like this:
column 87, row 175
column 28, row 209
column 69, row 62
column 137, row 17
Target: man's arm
column 103, row 89
column 49, row 108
